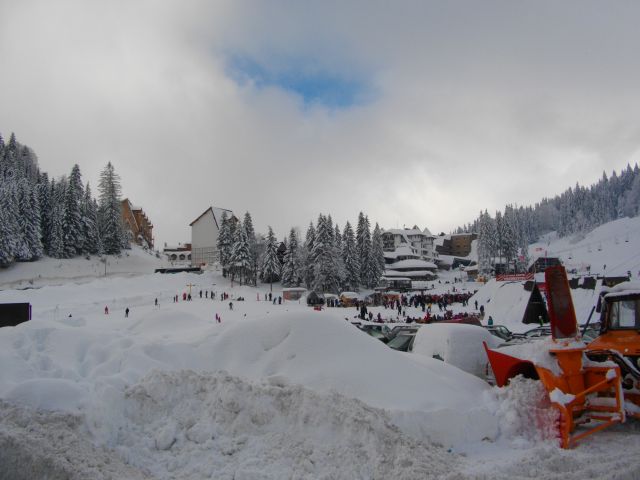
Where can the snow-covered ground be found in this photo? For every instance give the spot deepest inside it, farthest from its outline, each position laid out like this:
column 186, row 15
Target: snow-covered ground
column 271, row 392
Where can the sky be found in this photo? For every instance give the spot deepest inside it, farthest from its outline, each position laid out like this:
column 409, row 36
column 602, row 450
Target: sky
column 414, row 112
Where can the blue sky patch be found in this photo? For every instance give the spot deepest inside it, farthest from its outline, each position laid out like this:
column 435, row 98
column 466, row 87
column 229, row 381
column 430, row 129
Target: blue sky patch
column 316, row 86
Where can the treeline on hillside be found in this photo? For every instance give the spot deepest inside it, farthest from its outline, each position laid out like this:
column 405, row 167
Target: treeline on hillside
column 58, row 218
column 505, row 237
column 329, row 260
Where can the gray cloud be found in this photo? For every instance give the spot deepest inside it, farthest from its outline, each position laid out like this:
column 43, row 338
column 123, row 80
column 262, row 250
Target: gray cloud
column 476, row 105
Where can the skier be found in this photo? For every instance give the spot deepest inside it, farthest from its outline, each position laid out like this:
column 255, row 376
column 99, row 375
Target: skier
column 156, row 302
column 490, row 320
column 106, row 310
column 126, row 313
column 230, row 305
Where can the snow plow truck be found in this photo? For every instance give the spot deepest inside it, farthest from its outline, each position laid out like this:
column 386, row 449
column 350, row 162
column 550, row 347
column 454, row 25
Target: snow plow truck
column 592, row 385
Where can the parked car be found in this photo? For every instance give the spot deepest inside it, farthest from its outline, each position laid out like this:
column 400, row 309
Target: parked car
column 376, row 331
column 500, row 331
column 457, row 344
column 403, row 341
column 396, row 330
column 543, row 331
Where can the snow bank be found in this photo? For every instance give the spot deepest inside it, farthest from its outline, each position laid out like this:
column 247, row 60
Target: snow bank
column 190, row 426
column 84, row 362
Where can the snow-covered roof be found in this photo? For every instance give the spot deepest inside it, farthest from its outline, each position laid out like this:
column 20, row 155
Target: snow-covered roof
column 413, row 263
column 350, row 295
column 401, row 251
column 390, row 275
column 622, row 289
column 413, row 273
column 408, row 231
column 217, row 215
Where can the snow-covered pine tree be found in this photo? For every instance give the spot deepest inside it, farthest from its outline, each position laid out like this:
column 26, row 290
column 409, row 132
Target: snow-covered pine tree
column 253, row 248
column 307, row 258
column 485, row 244
column 72, row 223
column 376, row 258
column 8, row 226
column 241, row 255
column 42, row 189
column 224, row 243
column 90, row 231
column 509, row 238
column 326, row 271
column 291, row 267
column 56, row 241
column 350, row 259
column 22, row 252
column 110, row 211
column 270, row 268
column 29, row 219
column 363, row 245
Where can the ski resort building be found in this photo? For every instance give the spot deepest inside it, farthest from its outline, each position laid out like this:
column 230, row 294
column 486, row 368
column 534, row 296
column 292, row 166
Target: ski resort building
column 204, row 235
column 456, row 245
column 137, row 224
column 178, row 255
column 420, row 242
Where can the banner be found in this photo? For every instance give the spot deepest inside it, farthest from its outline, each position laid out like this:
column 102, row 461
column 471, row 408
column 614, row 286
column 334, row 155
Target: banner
column 514, row 277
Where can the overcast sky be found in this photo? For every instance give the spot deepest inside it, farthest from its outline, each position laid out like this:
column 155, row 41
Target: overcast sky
column 414, row 112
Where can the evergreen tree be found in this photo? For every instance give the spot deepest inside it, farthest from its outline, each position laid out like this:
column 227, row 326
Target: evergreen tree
column 56, row 241
column 224, row 243
column 8, row 226
column 307, row 258
column 253, row 247
column 486, row 241
column 241, row 256
column 90, row 231
column 110, row 211
column 29, row 220
column 18, row 223
column 44, row 201
column 363, row 245
column 376, row 258
column 270, row 269
column 350, row 259
column 291, row 268
column 326, row 271
column 72, row 223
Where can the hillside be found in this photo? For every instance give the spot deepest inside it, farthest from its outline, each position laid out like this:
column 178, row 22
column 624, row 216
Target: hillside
column 55, row 271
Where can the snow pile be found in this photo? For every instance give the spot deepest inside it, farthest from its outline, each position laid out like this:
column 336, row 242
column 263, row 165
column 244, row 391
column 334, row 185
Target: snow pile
column 53, row 446
column 561, row 398
column 537, row 352
column 190, row 426
column 526, row 414
column 456, row 344
column 83, row 362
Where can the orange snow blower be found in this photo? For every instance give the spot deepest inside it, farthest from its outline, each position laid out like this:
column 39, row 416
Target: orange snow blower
column 592, row 386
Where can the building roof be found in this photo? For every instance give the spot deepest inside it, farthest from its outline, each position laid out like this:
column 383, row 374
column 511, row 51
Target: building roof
column 217, row 215
column 414, row 263
column 401, row 251
column 409, row 231
column 413, row 273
